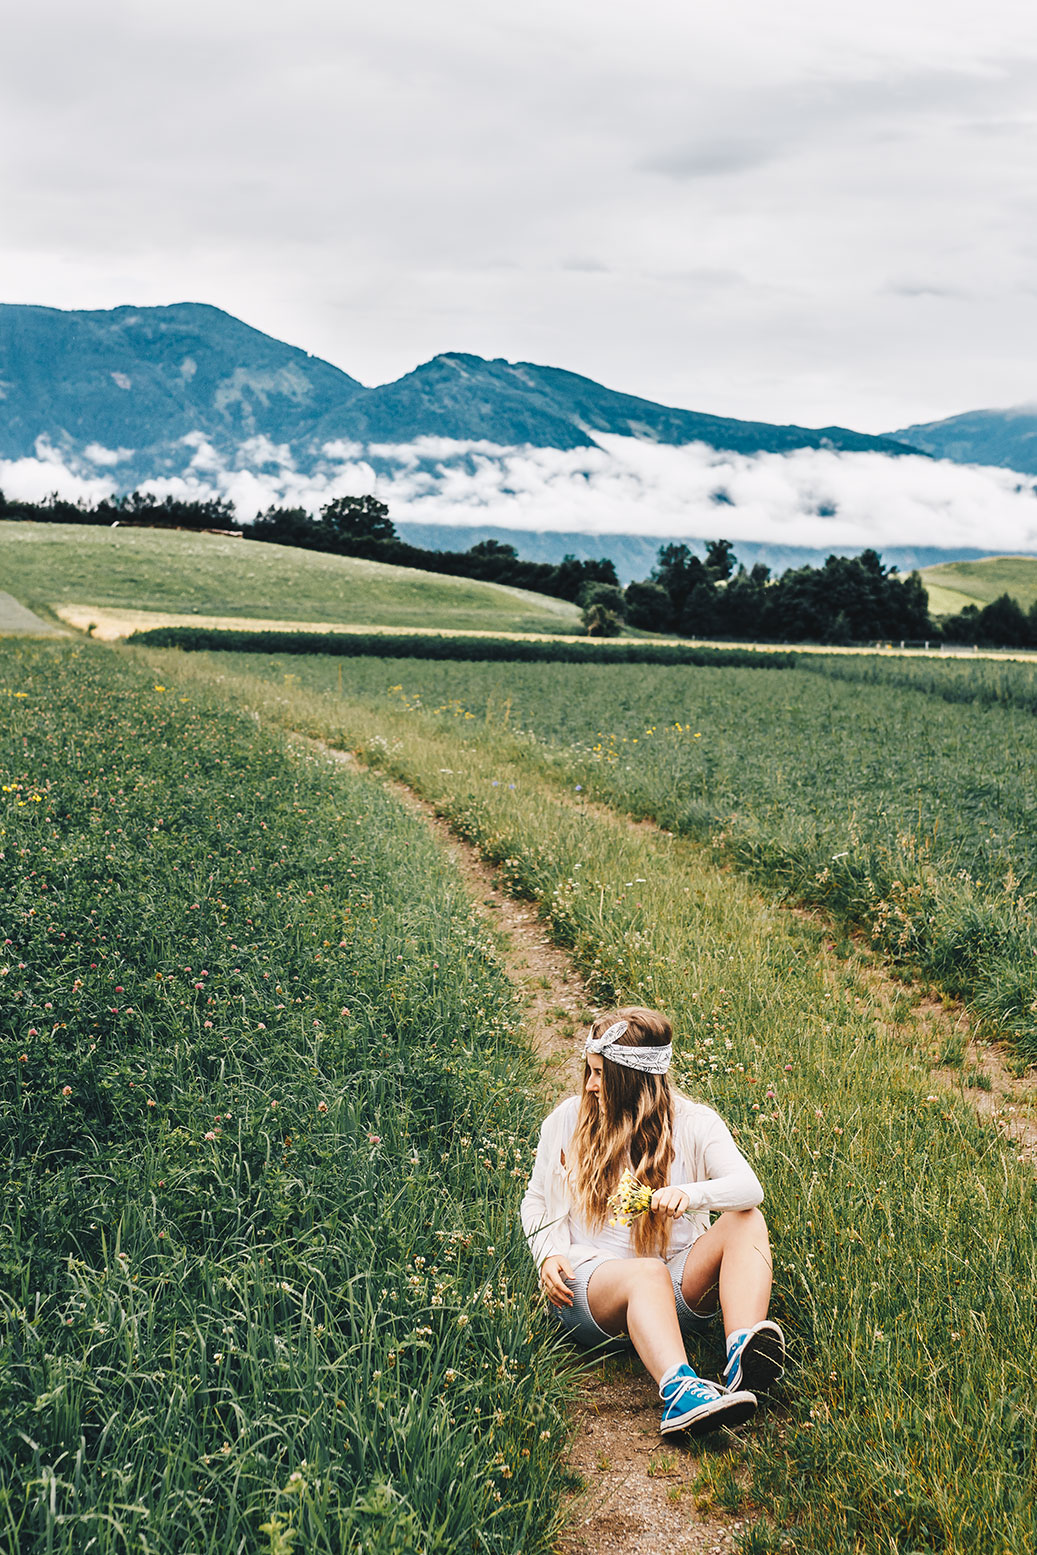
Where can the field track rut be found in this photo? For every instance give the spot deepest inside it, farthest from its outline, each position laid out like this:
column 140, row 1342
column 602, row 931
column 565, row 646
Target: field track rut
column 636, row 1492
column 636, row 1489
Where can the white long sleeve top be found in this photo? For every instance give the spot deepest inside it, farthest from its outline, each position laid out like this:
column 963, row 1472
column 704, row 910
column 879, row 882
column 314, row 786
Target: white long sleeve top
column 721, row 1177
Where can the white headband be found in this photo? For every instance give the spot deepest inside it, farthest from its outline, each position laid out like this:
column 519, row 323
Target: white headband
column 650, row 1060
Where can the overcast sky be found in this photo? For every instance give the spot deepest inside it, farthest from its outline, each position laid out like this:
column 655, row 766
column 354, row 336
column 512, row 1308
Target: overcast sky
column 808, row 212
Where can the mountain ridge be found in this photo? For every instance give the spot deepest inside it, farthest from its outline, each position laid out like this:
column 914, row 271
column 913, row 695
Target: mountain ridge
column 1005, row 437
column 143, row 393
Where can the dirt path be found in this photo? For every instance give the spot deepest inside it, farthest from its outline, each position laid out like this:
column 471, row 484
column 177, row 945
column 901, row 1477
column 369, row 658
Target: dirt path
column 18, row 619
column 633, row 1490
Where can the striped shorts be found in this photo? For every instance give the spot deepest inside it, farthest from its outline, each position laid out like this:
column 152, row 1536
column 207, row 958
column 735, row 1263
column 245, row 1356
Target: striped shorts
column 577, row 1323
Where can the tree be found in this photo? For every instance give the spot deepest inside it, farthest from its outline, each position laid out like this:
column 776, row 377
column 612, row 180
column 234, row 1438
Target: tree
column 679, row 571
column 720, row 559
column 743, row 602
column 962, row 628
column 494, row 550
column 608, row 594
column 701, row 616
column 648, row 607
column 285, row 526
column 357, row 520
column 1004, row 623
column 599, row 621
column 571, row 575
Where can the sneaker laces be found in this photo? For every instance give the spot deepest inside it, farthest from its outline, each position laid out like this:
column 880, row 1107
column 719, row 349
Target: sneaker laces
column 678, row 1386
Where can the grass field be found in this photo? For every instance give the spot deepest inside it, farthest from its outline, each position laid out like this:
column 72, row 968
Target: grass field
column 44, row 565
column 265, row 1118
column 266, row 1111
column 901, row 811
column 906, row 1268
column 953, row 585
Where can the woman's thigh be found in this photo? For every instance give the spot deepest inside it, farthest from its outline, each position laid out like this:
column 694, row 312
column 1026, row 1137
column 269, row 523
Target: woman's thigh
column 614, row 1281
column 577, row 1321
column 700, row 1281
column 734, row 1230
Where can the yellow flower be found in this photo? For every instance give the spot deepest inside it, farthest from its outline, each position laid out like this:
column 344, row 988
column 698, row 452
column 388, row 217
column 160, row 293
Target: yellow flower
column 630, row 1199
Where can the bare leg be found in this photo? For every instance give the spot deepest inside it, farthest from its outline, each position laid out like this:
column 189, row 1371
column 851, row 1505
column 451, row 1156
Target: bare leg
column 732, row 1261
column 635, row 1296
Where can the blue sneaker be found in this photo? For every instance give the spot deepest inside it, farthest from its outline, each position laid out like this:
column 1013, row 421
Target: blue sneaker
column 757, row 1360
column 692, row 1404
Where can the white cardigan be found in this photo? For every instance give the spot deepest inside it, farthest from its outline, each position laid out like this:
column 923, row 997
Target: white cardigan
column 723, row 1178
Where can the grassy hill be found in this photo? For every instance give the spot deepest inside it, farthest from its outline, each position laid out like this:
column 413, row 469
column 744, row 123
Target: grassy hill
column 953, row 585
column 46, row 565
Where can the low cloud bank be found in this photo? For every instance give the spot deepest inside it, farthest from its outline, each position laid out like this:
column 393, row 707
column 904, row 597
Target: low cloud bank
column 812, row 497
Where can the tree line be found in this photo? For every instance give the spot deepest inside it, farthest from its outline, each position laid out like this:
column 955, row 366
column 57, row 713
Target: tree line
column 847, row 600
column 361, row 526
column 348, row 526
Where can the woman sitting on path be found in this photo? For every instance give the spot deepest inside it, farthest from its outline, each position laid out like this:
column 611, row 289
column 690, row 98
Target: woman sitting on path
column 660, row 1278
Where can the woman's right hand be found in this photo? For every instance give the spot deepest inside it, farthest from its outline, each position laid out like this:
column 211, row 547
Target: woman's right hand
column 554, row 1272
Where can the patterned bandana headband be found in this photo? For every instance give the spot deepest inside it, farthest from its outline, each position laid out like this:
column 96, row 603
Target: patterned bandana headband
column 650, row 1060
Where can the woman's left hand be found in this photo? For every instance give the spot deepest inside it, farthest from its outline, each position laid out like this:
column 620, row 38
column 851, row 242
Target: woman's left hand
column 672, row 1201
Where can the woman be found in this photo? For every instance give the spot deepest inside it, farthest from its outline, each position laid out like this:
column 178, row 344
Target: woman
column 662, row 1278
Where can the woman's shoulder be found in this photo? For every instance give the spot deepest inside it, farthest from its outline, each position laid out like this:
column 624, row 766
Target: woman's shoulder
column 563, row 1116
column 694, row 1114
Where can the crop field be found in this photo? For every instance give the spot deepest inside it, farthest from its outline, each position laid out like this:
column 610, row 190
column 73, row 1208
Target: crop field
column 177, row 572
column 906, row 1249
column 265, row 1118
column 909, row 812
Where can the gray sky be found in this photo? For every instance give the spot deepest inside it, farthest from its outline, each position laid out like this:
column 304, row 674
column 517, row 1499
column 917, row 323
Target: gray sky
column 810, row 212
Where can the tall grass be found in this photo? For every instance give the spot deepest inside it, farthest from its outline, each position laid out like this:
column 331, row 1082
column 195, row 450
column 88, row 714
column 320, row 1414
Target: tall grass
column 899, row 813
column 265, row 1116
column 906, row 1254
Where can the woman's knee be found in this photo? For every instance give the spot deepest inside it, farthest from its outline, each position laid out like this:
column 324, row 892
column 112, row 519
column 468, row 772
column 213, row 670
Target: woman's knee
column 745, row 1222
column 649, row 1274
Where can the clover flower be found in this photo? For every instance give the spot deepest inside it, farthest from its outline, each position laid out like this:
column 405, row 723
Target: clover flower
column 631, row 1198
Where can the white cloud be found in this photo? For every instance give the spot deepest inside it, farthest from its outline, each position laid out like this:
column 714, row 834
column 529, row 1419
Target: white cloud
column 98, row 454
column 33, row 480
column 812, row 497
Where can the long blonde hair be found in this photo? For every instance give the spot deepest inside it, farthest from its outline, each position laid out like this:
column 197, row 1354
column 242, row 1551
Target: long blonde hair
column 631, row 1124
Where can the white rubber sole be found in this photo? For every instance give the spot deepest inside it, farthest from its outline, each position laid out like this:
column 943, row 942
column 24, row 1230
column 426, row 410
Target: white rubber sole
column 727, row 1410
column 762, row 1360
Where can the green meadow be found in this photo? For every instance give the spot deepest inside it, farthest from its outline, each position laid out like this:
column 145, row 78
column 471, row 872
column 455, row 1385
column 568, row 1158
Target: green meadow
column 898, row 795
column 265, row 1116
column 906, row 1270
column 267, row 1105
column 179, row 572
column 953, row 585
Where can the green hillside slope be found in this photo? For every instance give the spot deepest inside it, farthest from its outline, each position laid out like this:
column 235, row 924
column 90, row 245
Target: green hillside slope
column 44, row 565
column 952, row 585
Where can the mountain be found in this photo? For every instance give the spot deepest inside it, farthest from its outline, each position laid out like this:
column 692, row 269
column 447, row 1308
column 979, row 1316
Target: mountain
column 141, row 380
column 469, row 398
column 999, row 437
column 143, row 393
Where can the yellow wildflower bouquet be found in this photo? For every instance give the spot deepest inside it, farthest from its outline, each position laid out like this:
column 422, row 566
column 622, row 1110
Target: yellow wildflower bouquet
column 630, row 1199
